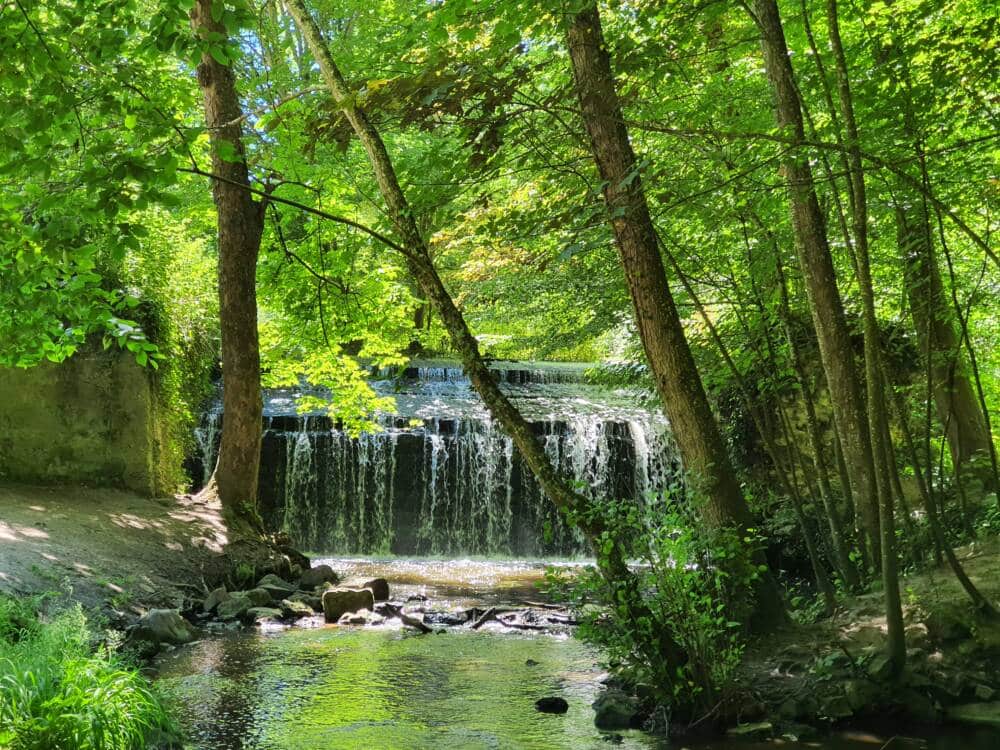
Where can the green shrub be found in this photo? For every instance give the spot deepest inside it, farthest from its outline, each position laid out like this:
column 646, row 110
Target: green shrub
column 693, row 584
column 58, row 692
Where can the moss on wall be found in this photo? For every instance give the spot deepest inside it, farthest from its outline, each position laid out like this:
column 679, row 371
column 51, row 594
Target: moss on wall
column 93, row 419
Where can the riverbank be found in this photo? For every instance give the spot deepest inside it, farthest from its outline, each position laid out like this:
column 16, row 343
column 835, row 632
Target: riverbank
column 121, row 555
column 115, row 552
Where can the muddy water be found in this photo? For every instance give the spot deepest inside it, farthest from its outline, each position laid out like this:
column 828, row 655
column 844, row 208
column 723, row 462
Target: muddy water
column 382, row 688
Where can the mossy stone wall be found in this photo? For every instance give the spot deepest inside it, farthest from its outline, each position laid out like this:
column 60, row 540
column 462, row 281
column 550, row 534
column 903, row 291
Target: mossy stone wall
column 89, row 420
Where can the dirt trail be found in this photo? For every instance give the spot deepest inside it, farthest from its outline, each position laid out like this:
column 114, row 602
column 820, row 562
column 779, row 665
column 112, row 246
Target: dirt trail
column 107, row 547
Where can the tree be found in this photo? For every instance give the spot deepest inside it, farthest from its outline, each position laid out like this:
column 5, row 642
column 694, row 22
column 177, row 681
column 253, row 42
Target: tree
column 240, row 226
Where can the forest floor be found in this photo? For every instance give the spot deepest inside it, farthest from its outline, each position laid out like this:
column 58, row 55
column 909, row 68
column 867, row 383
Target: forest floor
column 108, row 549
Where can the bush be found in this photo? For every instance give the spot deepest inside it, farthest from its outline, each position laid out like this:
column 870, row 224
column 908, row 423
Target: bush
column 693, row 584
column 57, row 691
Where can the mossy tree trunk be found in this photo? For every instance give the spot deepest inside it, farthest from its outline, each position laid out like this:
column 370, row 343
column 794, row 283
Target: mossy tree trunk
column 678, row 384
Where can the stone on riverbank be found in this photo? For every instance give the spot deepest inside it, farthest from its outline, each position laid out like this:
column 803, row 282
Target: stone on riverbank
column 614, row 709
column 260, row 597
column 294, row 610
column 277, row 587
column 214, row 599
column 552, row 705
column 338, row 601
column 235, row 606
column 161, row 626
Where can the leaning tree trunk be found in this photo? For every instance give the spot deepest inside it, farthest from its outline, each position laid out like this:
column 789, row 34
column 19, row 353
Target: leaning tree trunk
column 420, row 265
column 677, row 381
column 240, row 224
column 836, row 351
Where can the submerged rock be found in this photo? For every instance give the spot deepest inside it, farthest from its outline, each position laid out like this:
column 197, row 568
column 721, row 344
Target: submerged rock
column 317, row 576
column 552, row 705
column 614, row 709
column 338, row 601
column 161, row 626
column 760, row 730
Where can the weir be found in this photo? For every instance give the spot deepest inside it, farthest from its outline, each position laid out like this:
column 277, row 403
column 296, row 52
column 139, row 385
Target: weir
column 439, row 477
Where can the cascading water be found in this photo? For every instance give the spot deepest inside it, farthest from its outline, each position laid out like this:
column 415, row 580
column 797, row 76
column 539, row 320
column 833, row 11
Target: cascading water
column 440, row 477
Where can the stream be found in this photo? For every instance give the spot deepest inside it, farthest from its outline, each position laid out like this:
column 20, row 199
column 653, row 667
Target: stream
column 383, row 688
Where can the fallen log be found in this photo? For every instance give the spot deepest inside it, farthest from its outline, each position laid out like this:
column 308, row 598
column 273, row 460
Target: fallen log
column 488, row 615
column 406, row 619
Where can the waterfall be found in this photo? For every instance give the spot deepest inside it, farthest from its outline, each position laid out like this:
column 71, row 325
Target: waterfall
column 454, row 483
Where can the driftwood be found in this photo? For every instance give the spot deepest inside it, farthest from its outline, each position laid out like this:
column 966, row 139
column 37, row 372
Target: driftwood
column 406, row 619
column 544, row 605
column 488, row 615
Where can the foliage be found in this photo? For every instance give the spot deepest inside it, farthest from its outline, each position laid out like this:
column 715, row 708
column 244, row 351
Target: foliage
column 58, row 691
column 693, row 583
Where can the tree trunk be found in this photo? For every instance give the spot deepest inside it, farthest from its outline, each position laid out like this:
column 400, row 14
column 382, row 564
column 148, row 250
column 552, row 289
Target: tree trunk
column 827, row 309
column 557, row 488
column 677, row 381
column 954, row 397
column 240, row 224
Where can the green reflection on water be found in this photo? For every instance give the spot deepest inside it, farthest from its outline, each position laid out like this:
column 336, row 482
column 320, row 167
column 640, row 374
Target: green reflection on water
column 380, row 688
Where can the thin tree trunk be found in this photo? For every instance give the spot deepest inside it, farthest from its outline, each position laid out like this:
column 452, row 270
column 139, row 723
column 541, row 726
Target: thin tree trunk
column 240, row 224
column 882, row 450
column 610, row 551
column 816, row 261
column 671, row 364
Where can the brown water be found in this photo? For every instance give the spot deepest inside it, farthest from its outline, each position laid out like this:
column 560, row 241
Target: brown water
column 382, row 688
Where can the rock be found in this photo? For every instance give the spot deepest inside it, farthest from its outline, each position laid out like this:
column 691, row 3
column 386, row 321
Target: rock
column 214, row 599
column 794, row 732
column 835, row 707
column 917, row 707
column 880, row 667
column 162, row 626
column 945, row 625
column 860, row 694
column 444, row 618
column 317, row 576
column 917, row 636
column 760, row 730
column 552, row 705
column 338, row 601
column 293, row 610
column 416, row 598
column 234, row 607
column 258, row 614
column 530, row 663
column 360, row 617
column 313, row 601
column 260, row 597
column 985, row 693
column 276, row 587
column 982, row 714
column 379, row 587
column 614, row 709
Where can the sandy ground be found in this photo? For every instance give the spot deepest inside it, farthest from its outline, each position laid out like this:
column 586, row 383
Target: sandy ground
column 105, row 547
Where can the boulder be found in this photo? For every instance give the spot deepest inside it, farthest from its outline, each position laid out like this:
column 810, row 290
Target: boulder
column 614, row 709
column 293, row 610
column 981, row 714
column 278, row 588
column 860, row 694
column 552, row 705
column 317, row 576
column 214, row 599
column 945, row 625
column 379, row 587
column 880, row 667
column 260, row 597
column 338, row 601
column 235, row 606
column 161, row 626
column 313, row 601
column 259, row 614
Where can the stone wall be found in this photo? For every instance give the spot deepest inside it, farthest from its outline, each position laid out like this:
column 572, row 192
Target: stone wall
column 89, row 420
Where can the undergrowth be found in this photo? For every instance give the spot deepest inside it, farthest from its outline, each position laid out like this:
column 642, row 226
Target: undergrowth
column 60, row 691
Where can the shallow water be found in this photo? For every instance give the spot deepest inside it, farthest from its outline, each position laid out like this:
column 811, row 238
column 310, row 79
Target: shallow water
column 382, row 688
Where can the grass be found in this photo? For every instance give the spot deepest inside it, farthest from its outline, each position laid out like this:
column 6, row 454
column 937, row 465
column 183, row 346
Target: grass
column 57, row 690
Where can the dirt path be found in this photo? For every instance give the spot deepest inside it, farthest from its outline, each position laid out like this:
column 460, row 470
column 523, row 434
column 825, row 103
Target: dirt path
column 106, row 547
